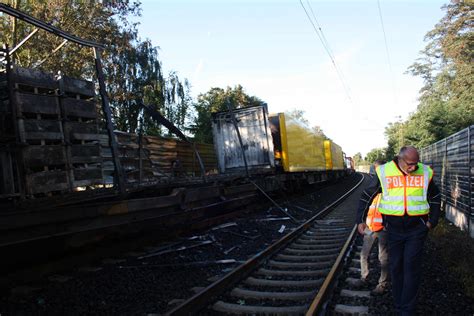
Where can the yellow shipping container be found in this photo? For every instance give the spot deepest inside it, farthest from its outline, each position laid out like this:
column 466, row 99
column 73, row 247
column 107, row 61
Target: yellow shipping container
column 301, row 148
column 334, row 156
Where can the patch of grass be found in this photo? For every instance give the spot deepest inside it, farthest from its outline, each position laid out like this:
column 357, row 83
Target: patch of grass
column 456, row 249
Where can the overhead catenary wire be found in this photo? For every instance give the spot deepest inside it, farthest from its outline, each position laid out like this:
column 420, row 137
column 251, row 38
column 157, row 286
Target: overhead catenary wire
column 327, row 48
column 387, row 52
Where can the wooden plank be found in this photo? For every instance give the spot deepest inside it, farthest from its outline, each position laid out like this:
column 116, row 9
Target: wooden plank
column 134, row 165
column 6, row 171
column 78, row 86
column 47, row 181
column 87, row 174
column 4, row 107
column 164, row 156
column 42, row 129
column 39, row 156
column 86, row 153
column 87, row 182
column 82, row 130
column 36, row 103
column 103, row 139
column 106, row 152
column 34, row 78
column 193, row 195
column 79, row 108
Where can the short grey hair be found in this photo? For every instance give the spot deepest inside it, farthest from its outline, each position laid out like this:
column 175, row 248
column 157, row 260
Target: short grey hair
column 404, row 149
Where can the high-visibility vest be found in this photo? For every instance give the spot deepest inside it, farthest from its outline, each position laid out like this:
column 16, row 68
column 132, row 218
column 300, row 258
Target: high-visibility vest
column 404, row 194
column 374, row 218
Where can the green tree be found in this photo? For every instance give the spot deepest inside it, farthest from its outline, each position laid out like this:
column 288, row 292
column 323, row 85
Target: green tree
column 447, row 68
column 396, row 138
column 358, row 160
column 375, row 154
column 299, row 115
column 104, row 22
column 132, row 69
column 215, row 100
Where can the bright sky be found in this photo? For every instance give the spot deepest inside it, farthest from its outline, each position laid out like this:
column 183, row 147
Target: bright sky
column 272, row 50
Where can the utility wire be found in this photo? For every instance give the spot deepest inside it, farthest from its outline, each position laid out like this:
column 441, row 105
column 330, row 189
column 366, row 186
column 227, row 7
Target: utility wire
column 327, row 48
column 387, row 52
column 326, row 44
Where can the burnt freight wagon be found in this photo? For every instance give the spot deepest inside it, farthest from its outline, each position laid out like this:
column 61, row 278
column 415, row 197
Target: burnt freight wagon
column 253, row 126
column 275, row 142
column 68, row 178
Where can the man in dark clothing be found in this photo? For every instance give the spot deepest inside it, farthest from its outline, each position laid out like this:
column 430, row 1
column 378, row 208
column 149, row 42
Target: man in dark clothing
column 405, row 220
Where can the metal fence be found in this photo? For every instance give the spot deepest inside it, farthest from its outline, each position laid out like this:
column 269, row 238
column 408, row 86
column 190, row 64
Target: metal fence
column 452, row 161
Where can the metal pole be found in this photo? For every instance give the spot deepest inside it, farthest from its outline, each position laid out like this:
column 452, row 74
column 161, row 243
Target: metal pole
column 108, row 120
column 17, row 121
column 52, row 53
column 45, row 26
column 201, row 164
column 140, row 148
column 469, row 174
column 24, row 41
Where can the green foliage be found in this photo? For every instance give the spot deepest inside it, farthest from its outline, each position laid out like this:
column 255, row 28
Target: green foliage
column 375, row 154
column 299, row 115
column 215, row 100
column 358, row 160
column 395, row 133
column 447, row 97
column 132, row 69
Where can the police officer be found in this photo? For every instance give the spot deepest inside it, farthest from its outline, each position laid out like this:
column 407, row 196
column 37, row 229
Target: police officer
column 410, row 205
column 372, row 231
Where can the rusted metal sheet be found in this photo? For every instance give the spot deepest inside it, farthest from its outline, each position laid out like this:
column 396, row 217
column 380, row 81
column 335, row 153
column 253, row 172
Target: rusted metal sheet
column 256, row 138
column 453, row 165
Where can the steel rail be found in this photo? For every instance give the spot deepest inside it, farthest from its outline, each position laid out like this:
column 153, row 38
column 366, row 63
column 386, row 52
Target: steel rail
column 318, row 304
column 206, row 296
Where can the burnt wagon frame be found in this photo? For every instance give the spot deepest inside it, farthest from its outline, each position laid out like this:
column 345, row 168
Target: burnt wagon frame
column 24, row 155
column 55, row 117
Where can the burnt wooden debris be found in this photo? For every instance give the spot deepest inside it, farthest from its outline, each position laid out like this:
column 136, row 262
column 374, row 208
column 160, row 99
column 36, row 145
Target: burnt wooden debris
column 62, row 146
column 57, row 145
column 69, row 179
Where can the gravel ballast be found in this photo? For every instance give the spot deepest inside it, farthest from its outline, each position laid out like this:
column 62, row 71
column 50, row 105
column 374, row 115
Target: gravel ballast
column 134, row 284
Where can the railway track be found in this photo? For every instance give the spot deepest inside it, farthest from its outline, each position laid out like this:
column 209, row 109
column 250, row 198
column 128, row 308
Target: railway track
column 293, row 275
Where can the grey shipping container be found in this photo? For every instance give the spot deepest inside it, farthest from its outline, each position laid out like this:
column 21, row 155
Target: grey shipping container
column 256, row 138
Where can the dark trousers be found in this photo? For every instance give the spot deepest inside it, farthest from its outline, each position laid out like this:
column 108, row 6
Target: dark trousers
column 405, row 249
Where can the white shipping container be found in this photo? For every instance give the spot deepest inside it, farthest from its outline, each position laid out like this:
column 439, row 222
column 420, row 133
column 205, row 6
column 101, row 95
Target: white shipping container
column 256, row 138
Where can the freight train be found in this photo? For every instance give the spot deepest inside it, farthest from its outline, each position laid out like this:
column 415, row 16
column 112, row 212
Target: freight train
column 272, row 142
column 69, row 179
